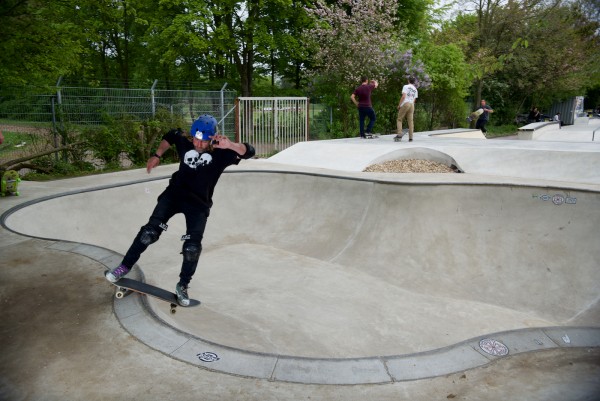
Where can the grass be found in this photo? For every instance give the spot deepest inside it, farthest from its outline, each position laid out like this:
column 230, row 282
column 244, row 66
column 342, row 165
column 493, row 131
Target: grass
column 497, row 131
column 12, row 139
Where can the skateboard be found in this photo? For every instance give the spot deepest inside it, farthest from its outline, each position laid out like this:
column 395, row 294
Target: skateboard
column 399, row 138
column 10, row 183
column 126, row 284
column 474, row 115
column 370, row 136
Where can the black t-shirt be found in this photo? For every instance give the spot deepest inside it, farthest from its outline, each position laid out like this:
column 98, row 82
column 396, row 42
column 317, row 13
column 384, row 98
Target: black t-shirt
column 198, row 172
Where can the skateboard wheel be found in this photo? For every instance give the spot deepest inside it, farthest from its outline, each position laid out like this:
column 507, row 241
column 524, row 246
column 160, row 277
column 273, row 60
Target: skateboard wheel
column 119, row 294
column 173, row 309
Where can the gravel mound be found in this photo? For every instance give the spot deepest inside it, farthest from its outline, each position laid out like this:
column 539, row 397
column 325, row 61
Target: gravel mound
column 409, row 166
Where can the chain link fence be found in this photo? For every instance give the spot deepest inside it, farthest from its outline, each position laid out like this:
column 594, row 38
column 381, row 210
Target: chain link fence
column 31, row 118
column 31, row 115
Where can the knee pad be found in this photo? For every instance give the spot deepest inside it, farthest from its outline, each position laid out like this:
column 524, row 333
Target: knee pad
column 191, row 252
column 149, row 235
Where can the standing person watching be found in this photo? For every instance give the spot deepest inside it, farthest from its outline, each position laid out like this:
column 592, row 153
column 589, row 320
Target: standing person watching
column 406, row 108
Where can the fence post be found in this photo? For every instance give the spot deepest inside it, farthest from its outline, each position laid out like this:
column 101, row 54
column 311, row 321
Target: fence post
column 307, row 130
column 54, row 133
column 276, row 123
column 152, row 98
column 223, row 108
column 237, row 120
column 58, row 95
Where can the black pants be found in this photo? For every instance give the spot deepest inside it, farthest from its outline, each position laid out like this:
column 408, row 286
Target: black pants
column 481, row 125
column 169, row 204
column 363, row 114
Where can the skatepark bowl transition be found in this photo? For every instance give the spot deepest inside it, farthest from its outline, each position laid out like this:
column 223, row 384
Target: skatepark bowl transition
column 315, row 272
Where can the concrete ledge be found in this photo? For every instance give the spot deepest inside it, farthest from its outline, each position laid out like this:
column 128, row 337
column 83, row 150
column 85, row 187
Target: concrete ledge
column 533, row 130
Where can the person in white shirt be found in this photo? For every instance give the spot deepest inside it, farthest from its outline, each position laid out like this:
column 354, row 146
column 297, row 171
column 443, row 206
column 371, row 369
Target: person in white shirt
column 557, row 118
column 406, row 108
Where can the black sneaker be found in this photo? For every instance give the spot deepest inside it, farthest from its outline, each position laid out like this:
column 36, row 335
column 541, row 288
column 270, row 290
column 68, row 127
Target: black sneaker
column 182, row 295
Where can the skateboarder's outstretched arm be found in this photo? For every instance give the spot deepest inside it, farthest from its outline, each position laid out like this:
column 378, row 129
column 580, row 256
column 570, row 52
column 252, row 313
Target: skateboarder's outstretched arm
column 154, row 160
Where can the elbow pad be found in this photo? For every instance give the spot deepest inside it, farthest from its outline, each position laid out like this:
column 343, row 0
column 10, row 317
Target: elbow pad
column 250, row 152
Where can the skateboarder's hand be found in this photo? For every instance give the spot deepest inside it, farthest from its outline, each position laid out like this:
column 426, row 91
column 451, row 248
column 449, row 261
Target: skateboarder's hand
column 152, row 162
column 221, row 142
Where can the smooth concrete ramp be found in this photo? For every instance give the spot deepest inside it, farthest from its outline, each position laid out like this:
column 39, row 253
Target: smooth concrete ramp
column 307, row 273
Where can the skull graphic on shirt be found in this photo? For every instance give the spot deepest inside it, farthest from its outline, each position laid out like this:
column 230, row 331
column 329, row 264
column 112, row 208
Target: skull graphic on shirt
column 193, row 159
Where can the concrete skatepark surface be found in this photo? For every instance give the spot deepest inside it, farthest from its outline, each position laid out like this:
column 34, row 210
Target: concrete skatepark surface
column 318, row 273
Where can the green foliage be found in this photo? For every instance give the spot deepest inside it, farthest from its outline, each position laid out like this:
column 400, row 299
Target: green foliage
column 497, row 131
column 57, row 168
column 118, row 136
column 450, row 82
column 39, row 41
column 337, row 130
column 130, row 138
column 12, row 139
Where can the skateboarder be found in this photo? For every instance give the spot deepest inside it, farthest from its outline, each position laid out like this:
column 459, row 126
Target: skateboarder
column 203, row 155
column 484, row 117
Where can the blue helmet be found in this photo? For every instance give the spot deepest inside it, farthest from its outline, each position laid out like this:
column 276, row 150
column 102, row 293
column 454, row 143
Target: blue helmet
column 204, row 127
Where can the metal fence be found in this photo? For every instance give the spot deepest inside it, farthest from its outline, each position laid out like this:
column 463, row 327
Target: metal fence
column 92, row 106
column 272, row 124
column 37, row 112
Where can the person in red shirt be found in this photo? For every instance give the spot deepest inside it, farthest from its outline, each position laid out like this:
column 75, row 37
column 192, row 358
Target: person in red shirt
column 361, row 97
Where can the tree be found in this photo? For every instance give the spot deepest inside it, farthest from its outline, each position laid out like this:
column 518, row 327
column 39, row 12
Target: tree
column 241, row 33
column 354, row 39
column 521, row 52
column 450, row 81
column 496, row 27
column 179, row 44
column 39, row 41
column 287, row 57
column 550, row 59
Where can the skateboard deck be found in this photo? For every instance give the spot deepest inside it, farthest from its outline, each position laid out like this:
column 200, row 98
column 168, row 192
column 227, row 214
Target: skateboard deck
column 10, row 183
column 474, row 115
column 399, row 138
column 126, row 284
